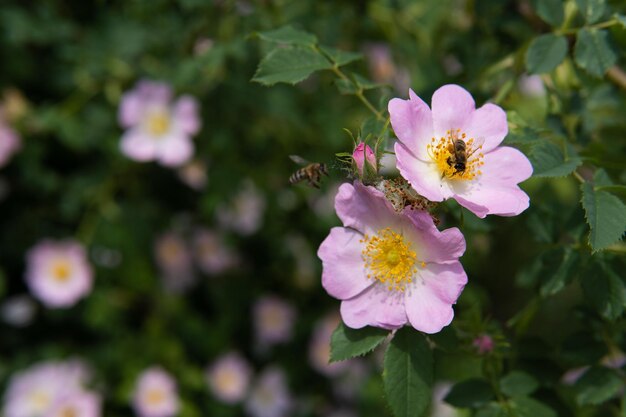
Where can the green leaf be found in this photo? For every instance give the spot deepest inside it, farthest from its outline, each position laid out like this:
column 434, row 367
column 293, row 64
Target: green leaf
column 551, row 11
column 288, row 35
column 606, row 215
column 289, row 65
column 340, row 57
column 591, row 10
column 605, row 290
column 545, row 53
column 549, row 160
column 518, row 384
column 408, row 374
column 492, row 410
column 347, row 343
column 529, row 407
column 354, row 84
column 560, row 269
column 621, row 19
column 616, row 189
column 472, row 393
column 593, row 52
column 597, row 385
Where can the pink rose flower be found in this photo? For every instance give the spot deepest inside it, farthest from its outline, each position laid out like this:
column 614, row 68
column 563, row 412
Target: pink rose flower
column 77, row 404
column 269, row 397
column 273, row 320
column 319, row 347
column 58, row 273
column 229, row 378
column 175, row 262
column 389, row 268
column 9, row 143
column 157, row 129
column 484, row 344
column 486, row 183
column 361, row 154
column 156, row 394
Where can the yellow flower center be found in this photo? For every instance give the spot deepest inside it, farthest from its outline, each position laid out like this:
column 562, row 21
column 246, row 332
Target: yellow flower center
column 158, row 123
column 389, row 259
column 155, row 397
column 456, row 156
column 61, row 271
column 40, row 400
column 68, row 412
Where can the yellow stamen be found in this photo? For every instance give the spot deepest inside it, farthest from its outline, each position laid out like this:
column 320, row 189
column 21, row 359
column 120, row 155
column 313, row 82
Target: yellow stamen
column 68, row 412
column 389, row 259
column 155, row 397
column 441, row 151
column 158, row 123
column 61, row 271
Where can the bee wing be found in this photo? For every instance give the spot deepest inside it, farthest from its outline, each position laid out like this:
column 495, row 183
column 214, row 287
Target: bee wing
column 298, row 160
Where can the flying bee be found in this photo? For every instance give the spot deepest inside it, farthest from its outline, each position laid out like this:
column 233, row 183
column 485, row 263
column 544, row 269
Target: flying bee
column 311, row 172
column 458, row 152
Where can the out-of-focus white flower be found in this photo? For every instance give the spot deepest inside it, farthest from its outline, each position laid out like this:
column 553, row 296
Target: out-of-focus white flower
column 44, row 387
column 194, row 174
column 531, row 86
column 269, row 396
column 229, row 378
column 202, row 46
column 174, row 260
column 18, row 311
column 58, row 273
column 245, row 213
column 211, row 253
column 439, row 407
column 273, row 320
column 156, row 394
column 319, row 348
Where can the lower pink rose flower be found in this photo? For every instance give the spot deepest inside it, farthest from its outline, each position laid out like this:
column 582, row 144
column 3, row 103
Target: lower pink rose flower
column 389, row 268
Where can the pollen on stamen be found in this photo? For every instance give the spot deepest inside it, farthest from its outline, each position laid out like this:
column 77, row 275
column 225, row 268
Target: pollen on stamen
column 389, row 259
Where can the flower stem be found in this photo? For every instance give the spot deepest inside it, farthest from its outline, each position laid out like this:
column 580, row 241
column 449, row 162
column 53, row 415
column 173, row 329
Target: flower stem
column 601, row 25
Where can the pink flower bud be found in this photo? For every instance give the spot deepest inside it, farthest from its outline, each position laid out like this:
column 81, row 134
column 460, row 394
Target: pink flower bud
column 360, row 154
column 484, row 344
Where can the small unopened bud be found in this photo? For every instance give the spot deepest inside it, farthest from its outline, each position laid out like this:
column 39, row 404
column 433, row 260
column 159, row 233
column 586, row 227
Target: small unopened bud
column 361, row 154
column 484, row 344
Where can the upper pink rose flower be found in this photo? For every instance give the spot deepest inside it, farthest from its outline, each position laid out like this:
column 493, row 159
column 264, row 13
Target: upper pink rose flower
column 10, row 142
column 58, row 273
column 157, row 128
column 390, row 268
column 433, row 143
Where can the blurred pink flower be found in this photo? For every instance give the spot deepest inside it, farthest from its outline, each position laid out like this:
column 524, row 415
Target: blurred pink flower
column 174, row 259
column 531, row 85
column 155, row 394
column 273, row 320
column 158, row 129
column 229, row 377
column 58, row 273
column 194, row 174
column 383, row 68
column 245, row 213
column 484, row 344
column 319, row 347
column 10, row 142
column 76, row 404
column 269, row 396
column 41, row 389
column 391, row 269
column 486, row 183
column 211, row 253
column 362, row 153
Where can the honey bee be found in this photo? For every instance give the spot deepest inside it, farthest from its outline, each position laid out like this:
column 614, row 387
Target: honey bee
column 458, row 152
column 311, row 172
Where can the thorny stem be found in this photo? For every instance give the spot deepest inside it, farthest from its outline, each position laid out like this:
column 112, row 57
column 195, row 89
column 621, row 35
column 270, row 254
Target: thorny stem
column 617, row 76
column 578, row 177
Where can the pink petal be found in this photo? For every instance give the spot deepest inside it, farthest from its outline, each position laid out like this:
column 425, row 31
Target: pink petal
column 495, row 191
column 424, row 177
column 452, row 108
column 376, row 306
column 343, row 274
column 429, row 301
column 131, row 109
column 488, row 122
column 175, row 150
column 431, row 245
column 412, row 123
column 363, row 208
column 186, row 115
column 138, row 146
